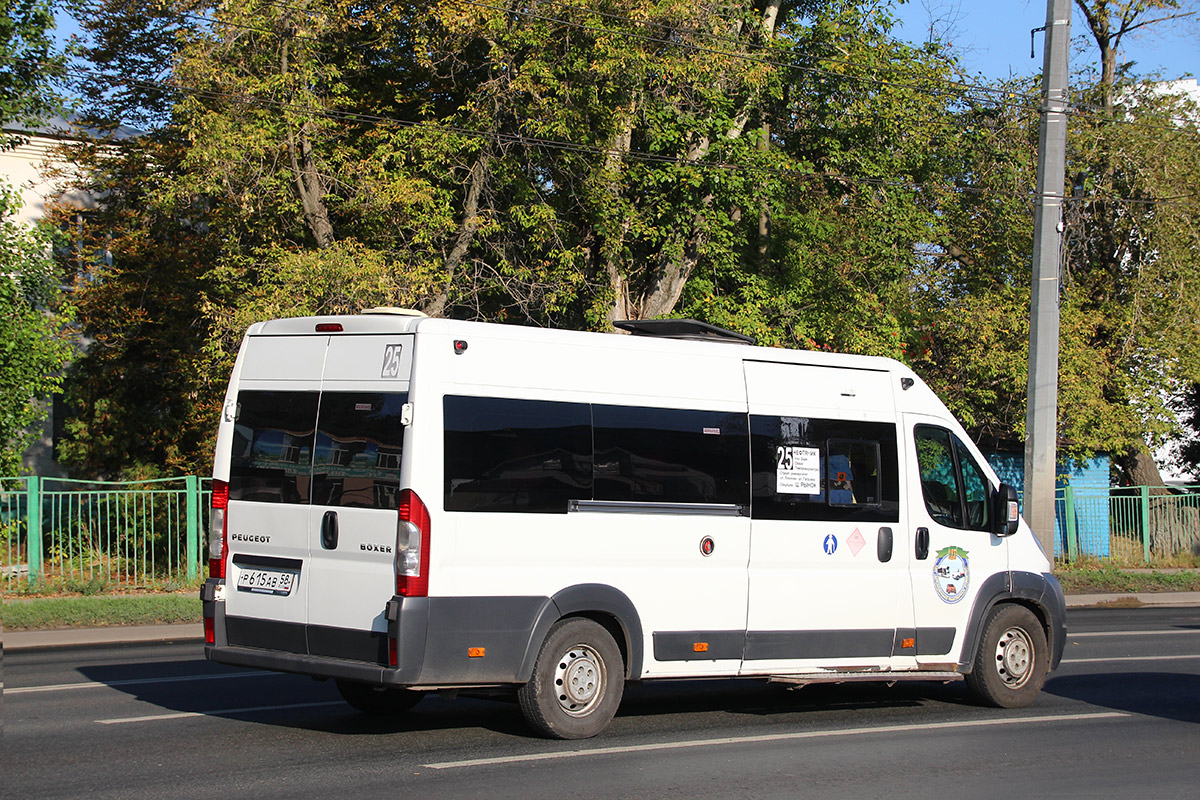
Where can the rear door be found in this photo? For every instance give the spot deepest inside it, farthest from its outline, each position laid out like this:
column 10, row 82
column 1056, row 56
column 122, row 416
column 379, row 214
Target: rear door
column 270, row 492
column 357, row 459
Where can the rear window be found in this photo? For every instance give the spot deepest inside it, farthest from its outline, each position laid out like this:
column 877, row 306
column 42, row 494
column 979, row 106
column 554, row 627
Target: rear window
column 350, row 458
column 356, row 461
column 272, row 447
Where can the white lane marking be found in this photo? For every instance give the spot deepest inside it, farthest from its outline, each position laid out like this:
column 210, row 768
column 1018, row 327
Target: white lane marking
column 775, row 737
column 62, row 687
column 1129, row 658
column 216, row 712
column 1088, row 634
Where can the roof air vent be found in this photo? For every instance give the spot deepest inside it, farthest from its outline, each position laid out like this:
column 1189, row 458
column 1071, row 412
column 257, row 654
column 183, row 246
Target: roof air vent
column 681, row 329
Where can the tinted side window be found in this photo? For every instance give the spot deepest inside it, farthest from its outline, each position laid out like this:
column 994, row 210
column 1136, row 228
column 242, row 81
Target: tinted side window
column 358, row 449
column 272, row 446
column 516, row 455
column 662, row 455
column 956, row 491
column 976, row 489
column 823, row 469
column 939, row 477
column 853, row 475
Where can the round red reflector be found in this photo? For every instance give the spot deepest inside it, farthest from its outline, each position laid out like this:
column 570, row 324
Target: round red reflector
column 460, row 346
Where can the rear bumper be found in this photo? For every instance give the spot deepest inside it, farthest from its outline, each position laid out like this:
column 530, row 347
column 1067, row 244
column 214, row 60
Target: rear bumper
column 479, row 641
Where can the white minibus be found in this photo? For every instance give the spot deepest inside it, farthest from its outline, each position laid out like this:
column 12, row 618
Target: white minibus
column 407, row 505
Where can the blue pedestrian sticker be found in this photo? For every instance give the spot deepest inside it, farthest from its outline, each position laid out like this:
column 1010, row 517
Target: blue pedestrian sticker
column 830, row 544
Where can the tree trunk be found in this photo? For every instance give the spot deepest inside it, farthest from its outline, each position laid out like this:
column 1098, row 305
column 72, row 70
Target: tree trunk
column 1174, row 528
column 668, row 285
column 610, row 247
column 436, row 307
column 310, row 186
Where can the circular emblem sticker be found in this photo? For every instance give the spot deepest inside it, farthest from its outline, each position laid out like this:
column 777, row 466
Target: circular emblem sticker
column 951, row 574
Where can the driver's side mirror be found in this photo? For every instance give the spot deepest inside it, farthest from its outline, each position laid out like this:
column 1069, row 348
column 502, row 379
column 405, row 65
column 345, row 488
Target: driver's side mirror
column 1006, row 514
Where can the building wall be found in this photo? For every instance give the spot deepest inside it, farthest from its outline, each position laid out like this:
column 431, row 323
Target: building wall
column 1088, row 483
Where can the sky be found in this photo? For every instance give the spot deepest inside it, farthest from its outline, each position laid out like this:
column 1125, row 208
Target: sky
column 993, row 38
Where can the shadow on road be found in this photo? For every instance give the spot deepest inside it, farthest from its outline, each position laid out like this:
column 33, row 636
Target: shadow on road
column 1167, row 695
column 302, row 703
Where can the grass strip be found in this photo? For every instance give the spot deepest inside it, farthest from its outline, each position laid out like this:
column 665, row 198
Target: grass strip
column 1092, row 578
column 47, row 613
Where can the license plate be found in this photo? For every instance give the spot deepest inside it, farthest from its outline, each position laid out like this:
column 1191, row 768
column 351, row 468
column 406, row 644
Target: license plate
column 266, row 581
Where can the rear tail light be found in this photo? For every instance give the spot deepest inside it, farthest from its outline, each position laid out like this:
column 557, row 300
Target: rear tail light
column 217, row 530
column 210, row 631
column 412, row 546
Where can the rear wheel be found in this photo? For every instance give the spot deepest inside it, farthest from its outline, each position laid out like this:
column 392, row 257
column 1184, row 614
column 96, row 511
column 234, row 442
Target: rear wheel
column 1013, row 659
column 577, row 682
column 377, row 699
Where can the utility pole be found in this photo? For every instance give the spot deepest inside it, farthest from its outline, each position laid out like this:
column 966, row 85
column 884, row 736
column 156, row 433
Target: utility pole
column 1041, row 416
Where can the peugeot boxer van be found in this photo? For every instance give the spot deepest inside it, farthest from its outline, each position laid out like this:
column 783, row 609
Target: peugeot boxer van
column 406, row 505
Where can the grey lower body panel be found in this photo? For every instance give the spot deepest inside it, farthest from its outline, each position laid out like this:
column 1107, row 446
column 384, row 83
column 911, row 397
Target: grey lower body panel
column 783, row 645
column 478, row 641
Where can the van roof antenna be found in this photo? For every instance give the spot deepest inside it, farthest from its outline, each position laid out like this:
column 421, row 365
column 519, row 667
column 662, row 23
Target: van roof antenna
column 681, row 329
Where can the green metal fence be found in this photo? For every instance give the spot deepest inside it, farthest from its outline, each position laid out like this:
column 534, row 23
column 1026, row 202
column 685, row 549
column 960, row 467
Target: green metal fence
column 103, row 532
column 147, row 532
column 1131, row 526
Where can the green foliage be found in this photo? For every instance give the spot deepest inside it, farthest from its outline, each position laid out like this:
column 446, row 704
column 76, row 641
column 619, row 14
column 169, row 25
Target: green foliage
column 139, row 398
column 801, row 177
column 33, row 344
column 28, row 63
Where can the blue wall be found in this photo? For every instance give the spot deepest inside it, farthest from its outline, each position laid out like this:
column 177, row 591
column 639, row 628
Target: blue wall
column 1089, row 485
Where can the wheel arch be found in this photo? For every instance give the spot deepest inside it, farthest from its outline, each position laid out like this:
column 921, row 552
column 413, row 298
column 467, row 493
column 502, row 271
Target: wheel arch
column 605, row 605
column 1040, row 593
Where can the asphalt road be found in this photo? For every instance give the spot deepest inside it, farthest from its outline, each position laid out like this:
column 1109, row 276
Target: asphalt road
column 1120, row 718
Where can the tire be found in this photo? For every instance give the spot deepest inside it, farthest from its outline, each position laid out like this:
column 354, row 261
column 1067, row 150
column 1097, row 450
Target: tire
column 577, row 682
column 377, row 699
column 1013, row 659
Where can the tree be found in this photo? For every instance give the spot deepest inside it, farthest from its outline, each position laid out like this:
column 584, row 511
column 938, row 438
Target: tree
column 29, row 65
column 1109, row 22
column 1129, row 331
column 33, row 340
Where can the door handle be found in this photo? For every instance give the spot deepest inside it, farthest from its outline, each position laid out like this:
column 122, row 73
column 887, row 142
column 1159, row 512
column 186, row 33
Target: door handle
column 922, row 544
column 883, row 545
column 329, row 530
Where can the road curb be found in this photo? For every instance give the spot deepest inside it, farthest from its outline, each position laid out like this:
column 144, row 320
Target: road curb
column 77, row 637
column 1135, row 600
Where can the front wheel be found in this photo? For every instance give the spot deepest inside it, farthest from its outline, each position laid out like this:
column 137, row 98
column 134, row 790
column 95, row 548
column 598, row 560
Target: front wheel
column 577, row 682
column 1013, row 659
column 377, row 699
